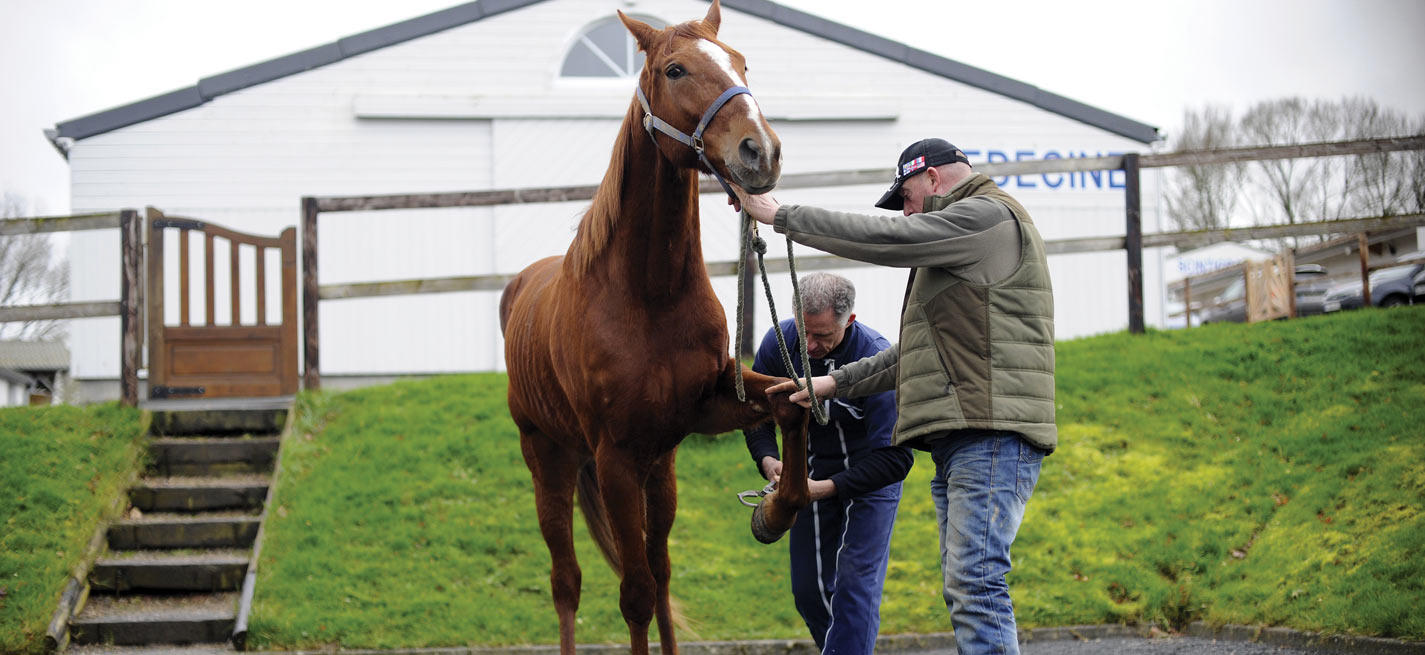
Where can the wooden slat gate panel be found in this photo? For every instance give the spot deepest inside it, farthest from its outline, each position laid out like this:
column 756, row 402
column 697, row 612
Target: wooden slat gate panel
column 1269, row 289
column 206, row 359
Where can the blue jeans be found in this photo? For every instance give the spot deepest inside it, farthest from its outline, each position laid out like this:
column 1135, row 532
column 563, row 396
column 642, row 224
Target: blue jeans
column 982, row 480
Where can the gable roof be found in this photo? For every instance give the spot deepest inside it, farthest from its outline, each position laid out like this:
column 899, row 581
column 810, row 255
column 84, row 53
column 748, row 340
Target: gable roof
column 272, row 69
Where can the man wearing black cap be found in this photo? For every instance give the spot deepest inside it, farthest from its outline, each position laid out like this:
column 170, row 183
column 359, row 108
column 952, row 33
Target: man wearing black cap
column 973, row 370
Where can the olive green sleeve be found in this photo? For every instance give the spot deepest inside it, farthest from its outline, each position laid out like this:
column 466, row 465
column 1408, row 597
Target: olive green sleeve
column 977, row 238
column 868, row 375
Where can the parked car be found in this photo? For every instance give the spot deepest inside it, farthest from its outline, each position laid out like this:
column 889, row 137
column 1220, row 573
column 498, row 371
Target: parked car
column 1397, row 285
column 1231, row 304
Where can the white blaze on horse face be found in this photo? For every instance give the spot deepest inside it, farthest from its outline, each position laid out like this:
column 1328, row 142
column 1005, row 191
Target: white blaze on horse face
column 723, row 61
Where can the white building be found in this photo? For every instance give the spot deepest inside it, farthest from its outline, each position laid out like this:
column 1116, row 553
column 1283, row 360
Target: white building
column 508, row 93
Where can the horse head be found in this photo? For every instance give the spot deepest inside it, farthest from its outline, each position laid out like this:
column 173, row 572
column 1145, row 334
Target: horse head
column 685, row 76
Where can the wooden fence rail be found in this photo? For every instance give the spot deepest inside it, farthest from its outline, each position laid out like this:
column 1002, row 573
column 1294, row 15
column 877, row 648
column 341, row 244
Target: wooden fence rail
column 129, row 307
column 43, row 224
column 1191, row 239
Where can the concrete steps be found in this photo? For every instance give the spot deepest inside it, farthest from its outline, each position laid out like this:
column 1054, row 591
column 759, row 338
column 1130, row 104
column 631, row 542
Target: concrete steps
column 150, row 619
column 202, row 530
column 170, row 571
column 193, row 494
column 208, row 456
column 175, row 567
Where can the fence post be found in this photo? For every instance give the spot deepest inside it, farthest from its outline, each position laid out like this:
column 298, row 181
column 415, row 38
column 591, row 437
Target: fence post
column 310, row 345
column 130, row 306
column 1187, row 301
column 1290, row 265
column 1133, row 242
column 1363, row 245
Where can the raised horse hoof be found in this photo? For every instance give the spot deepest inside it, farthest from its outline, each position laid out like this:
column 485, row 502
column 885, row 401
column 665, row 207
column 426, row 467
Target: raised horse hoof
column 761, row 530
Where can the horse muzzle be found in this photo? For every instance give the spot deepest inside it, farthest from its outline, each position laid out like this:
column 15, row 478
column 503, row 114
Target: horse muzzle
column 756, row 166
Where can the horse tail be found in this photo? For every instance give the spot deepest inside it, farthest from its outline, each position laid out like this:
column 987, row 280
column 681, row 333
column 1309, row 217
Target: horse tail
column 596, row 517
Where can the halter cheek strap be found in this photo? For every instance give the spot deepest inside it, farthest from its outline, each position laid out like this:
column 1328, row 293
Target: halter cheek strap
column 651, row 123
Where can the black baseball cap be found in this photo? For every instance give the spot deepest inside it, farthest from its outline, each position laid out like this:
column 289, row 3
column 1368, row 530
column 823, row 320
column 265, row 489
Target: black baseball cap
column 914, row 160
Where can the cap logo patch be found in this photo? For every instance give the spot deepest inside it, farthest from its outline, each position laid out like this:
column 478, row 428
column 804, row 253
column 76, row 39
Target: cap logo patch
column 912, row 166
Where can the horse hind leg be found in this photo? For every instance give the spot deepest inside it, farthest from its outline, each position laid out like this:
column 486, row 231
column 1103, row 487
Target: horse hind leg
column 554, row 470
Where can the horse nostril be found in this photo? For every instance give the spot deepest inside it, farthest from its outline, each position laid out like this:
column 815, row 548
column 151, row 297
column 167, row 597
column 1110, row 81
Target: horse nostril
column 750, row 152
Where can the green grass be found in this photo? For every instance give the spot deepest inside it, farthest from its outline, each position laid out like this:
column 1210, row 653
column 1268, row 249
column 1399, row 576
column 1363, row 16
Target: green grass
column 1268, row 474
column 61, row 469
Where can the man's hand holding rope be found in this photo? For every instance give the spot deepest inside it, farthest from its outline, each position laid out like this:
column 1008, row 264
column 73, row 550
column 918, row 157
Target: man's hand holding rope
column 825, row 387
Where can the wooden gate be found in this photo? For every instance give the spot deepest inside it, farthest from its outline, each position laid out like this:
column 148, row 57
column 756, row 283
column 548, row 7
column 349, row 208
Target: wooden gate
column 1269, row 289
column 200, row 358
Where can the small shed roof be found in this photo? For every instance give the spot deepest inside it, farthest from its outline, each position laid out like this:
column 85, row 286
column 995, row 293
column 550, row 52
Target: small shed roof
column 272, row 69
column 34, row 356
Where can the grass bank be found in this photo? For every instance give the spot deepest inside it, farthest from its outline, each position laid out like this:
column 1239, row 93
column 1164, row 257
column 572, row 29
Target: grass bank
column 60, row 470
column 1267, row 474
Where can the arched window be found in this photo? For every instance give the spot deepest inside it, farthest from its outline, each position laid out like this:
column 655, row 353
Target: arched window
column 606, row 49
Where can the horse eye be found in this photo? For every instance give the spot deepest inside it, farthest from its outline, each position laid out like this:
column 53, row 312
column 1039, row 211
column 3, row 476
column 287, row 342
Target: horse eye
column 675, row 71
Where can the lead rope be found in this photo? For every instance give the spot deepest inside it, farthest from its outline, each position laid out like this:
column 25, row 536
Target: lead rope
column 750, row 240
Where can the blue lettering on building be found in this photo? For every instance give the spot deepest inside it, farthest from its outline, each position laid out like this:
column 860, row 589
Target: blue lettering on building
column 1053, row 181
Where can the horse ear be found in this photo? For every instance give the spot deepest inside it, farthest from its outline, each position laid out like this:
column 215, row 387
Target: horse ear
column 642, row 32
column 714, row 18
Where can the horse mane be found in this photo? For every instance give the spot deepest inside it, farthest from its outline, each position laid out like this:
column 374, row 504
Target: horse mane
column 597, row 225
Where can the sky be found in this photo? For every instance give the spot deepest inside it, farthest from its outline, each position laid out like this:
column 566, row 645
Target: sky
column 1148, row 60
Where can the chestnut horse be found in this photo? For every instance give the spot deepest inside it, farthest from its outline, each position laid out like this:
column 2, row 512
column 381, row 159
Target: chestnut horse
column 619, row 349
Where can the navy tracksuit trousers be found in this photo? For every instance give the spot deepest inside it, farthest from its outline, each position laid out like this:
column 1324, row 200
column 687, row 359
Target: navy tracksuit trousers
column 838, row 554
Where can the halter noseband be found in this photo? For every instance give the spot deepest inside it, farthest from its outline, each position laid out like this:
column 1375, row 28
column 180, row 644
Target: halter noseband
column 651, row 122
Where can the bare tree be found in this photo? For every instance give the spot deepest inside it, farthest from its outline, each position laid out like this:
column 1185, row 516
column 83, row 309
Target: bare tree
column 1288, row 182
column 1382, row 179
column 29, row 275
column 1203, row 197
column 1327, row 190
column 1417, row 173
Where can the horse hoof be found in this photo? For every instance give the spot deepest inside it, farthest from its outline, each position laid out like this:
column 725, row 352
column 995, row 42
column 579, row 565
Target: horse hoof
column 760, row 530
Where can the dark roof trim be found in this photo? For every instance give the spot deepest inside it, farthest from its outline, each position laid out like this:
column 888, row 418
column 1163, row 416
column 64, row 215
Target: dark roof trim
column 947, row 68
column 16, row 377
column 272, row 69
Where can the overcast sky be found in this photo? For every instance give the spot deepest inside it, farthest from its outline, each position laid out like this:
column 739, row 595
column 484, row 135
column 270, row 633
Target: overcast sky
column 1148, row 60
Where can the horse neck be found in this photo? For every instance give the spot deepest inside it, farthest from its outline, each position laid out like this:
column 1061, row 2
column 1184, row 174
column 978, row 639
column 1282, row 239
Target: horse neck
column 647, row 209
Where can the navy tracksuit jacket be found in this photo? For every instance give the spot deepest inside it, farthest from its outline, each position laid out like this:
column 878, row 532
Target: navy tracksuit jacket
column 839, row 546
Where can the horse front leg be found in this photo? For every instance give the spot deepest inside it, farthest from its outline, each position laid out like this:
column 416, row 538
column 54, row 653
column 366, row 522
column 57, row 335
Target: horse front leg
column 621, row 484
column 774, row 516
column 662, row 489
column 778, row 510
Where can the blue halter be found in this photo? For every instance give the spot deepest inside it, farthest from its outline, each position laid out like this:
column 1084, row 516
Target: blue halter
column 651, row 122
